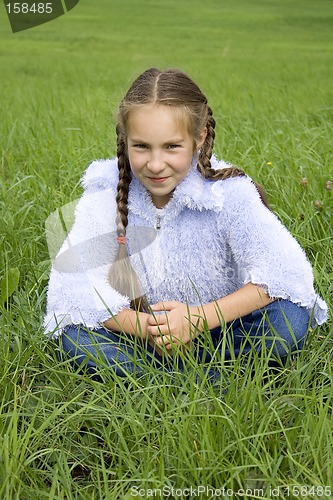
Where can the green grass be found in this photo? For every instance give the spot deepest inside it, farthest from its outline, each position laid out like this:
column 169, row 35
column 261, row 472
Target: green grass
column 266, row 67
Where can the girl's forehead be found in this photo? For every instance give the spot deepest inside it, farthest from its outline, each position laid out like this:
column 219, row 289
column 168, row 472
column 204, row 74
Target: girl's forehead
column 178, row 116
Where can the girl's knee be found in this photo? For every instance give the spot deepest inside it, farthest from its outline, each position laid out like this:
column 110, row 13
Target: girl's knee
column 290, row 323
column 102, row 348
column 77, row 347
column 290, row 315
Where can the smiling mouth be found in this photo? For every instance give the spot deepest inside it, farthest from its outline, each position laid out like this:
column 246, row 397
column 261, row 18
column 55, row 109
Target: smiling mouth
column 158, row 179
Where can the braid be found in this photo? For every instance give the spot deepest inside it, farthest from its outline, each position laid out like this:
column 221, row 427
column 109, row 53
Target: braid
column 206, row 150
column 123, row 185
column 204, row 165
column 122, row 276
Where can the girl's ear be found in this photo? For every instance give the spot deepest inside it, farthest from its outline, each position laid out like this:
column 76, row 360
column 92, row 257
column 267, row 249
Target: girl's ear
column 201, row 138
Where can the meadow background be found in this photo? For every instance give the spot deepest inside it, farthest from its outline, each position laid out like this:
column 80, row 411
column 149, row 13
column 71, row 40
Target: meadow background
column 267, row 69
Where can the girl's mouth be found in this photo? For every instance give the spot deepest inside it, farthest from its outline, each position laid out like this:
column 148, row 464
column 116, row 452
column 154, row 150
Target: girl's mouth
column 158, row 180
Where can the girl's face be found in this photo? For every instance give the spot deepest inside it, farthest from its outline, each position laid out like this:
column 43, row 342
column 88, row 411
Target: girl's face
column 160, row 150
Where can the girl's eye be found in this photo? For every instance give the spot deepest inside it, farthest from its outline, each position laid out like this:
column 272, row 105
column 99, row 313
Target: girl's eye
column 140, row 146
column 173, row 146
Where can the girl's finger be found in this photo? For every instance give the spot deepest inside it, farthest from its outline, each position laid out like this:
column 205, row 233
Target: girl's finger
column 163, row 342
column 157, row 319
column 163, row 306
column 157, row 330
column 157, row 307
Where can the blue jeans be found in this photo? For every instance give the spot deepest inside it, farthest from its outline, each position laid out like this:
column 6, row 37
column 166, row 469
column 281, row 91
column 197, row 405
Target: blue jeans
column 281, row 328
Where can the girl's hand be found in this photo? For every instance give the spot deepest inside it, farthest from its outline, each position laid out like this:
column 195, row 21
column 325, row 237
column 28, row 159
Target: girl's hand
column 176, row 325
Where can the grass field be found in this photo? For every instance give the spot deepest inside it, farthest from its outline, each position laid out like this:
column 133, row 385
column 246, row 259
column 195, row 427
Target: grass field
column 267, row 69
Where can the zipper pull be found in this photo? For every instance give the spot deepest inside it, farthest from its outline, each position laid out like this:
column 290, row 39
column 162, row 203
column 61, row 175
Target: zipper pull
column 159, row 218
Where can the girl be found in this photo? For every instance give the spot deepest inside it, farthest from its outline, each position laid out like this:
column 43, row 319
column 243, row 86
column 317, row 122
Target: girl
column 193, row 246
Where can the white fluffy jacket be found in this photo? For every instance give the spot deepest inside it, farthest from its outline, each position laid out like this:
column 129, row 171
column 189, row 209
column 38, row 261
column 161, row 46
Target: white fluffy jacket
column 212, row 238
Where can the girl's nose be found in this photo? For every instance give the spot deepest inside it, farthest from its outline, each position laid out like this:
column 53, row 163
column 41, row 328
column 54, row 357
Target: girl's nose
column 155, row 163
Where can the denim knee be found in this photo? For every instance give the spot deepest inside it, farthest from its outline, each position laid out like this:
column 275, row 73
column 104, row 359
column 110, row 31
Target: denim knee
column 89, row 349
column 283, row 326
column 291, row 317
column 92, row 349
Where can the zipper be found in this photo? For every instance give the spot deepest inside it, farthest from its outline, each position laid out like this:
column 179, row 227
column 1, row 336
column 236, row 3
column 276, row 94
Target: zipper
column 158, row 221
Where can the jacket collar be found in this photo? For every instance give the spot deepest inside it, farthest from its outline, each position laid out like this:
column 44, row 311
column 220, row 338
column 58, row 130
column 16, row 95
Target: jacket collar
column 193, row 192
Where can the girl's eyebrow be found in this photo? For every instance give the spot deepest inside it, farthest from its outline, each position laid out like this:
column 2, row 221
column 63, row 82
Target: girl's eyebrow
column 175, row 141
column 133, row 139
column 172, row 141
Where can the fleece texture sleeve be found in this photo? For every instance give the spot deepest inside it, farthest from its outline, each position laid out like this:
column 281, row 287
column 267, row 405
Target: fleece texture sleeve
column 265, row 250
column 78, row 291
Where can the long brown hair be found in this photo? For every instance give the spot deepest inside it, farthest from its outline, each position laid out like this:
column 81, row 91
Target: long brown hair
column 170, row 88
